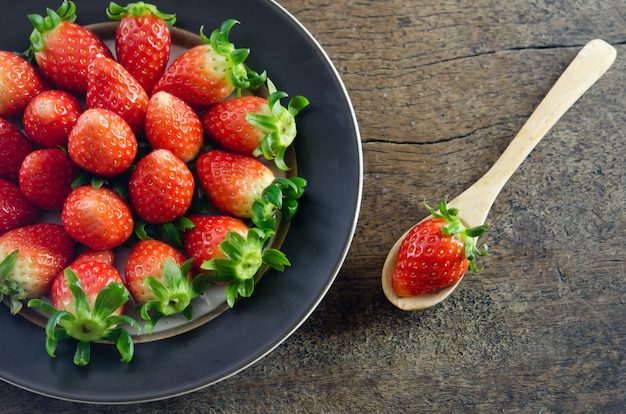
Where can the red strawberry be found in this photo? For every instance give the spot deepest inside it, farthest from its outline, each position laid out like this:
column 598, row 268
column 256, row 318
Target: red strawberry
column 46, row 177
column 15, row 210
column 97, row 217
column 255, row 126
column 14, row 147
column 103, row 256
column 30, row 258
column 19, row 83
column 101, row 142
column 147, row 258
column 435, row 253
column 242, row 186
column 87, row 302
column 63, row 49
column 161, row 187
column 208, row 73
column 232, row 253
column 202, row 242
column 50, row 116
column 171, row 124
column 93, row 276
column 159, row 279
column 111, row 87
column 142, row 40
column 233, row 181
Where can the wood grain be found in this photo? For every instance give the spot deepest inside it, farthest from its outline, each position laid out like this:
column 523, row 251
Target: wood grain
column 440, row 88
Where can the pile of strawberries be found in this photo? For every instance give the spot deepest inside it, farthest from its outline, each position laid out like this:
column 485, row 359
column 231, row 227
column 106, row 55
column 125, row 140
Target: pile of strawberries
column 132, row 152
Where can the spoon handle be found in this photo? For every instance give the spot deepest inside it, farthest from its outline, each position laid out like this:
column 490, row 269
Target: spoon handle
column 586, row 68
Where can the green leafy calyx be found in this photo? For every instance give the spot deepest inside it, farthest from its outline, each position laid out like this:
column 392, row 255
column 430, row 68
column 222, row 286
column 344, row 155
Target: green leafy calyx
column 240, row 76
column 9, row 288
column 244, row 257
column 170, row 232
column 65, row 13
column 173, row 295
column 89, row 324
column 280, row 125
column 281, row 195
column 117, row 12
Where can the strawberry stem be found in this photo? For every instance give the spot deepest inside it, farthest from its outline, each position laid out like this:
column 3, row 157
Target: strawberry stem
column 116, row 12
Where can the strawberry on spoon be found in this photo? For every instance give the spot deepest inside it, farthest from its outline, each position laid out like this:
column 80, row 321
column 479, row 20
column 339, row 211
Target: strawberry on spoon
column 473, row 205
column 436, row 253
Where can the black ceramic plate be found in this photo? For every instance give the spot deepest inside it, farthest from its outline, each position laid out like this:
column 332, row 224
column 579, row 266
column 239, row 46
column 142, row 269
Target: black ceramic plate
column 328, row 151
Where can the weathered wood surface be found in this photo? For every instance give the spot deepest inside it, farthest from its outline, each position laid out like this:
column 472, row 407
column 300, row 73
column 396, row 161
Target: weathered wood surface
column 440, row 88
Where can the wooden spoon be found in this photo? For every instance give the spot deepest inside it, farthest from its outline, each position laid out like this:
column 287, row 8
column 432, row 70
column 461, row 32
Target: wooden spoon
column 475, row 202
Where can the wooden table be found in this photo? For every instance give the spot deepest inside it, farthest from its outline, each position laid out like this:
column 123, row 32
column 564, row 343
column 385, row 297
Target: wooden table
column 440, row 88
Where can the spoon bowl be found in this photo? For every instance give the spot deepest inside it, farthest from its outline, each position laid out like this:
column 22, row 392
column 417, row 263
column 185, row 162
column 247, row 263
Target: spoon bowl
column 593, row 60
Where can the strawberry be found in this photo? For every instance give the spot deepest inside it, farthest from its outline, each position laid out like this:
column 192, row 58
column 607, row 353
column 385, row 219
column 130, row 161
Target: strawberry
column 208, row 73
column 147, row 258
column 202, row 241
column 243, row 186
column 102, row 256
column 30, row 258
column 93, row 276
column 63, row 49
column 142, row 40
column 49, row 117
column 97, row 217
column 46, row 177
column 255, row 126
column 231, row 252
column 233, row 181
column 19, row 83
column 172, row 124
column 87, row 301
column 101, row 142
column 14, row 147
column 161, row 187
column 159, row 279
column 435, row 253
column 110, row 86
column 15, row 209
